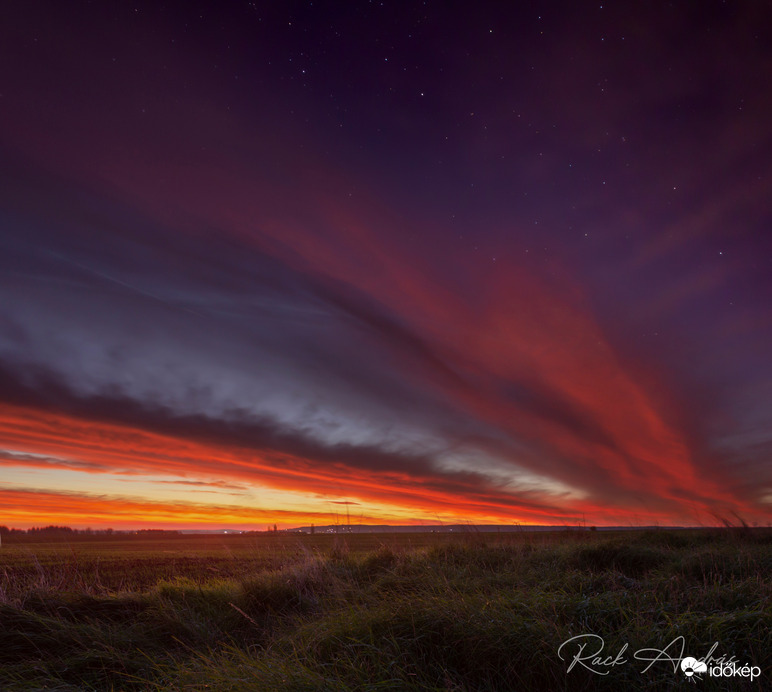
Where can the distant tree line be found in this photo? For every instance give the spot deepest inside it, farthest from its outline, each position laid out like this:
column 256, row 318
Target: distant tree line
column 68, row 530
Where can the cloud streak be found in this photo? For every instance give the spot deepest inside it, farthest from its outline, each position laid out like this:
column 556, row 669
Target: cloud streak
column 228, row 291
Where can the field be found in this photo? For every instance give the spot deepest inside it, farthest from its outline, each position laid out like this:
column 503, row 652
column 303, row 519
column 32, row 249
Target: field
column 383, row 611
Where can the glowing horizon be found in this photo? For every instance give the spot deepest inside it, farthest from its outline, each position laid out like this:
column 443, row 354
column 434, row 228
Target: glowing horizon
column 237, row 292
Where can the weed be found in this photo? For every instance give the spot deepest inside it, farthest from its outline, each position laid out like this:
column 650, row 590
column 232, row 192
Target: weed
column 360, row 613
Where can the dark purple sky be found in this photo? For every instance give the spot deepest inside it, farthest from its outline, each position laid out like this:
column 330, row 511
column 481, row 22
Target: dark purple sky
column 486, row 261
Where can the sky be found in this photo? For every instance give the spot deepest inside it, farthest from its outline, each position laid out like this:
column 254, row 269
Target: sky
column 385, row 262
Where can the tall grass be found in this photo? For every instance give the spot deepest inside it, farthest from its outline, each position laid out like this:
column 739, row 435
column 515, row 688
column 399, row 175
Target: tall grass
column 461, row 615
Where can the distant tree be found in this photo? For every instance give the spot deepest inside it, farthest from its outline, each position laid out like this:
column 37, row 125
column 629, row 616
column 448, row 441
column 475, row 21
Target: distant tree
column 159, row 532
column 48, row 530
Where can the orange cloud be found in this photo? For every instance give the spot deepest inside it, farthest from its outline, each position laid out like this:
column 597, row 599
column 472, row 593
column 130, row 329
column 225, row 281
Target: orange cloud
column 519, row 353
column 108, row 448
column 25, row 507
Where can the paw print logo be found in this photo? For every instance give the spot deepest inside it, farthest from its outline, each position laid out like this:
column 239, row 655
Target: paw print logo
column 691, row 667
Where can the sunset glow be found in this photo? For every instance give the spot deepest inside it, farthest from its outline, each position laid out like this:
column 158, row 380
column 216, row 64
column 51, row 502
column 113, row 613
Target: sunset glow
column 256, row 270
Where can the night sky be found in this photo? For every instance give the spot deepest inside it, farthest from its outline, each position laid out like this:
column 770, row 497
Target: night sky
column 417, row 262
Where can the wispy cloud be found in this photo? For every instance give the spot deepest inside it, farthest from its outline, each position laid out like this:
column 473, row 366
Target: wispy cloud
column 533, row 319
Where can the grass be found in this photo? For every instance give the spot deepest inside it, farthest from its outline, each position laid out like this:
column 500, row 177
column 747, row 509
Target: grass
column 379, row 612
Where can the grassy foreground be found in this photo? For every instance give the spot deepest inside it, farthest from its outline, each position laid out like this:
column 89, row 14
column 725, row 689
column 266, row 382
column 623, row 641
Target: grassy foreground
column 481, row 612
